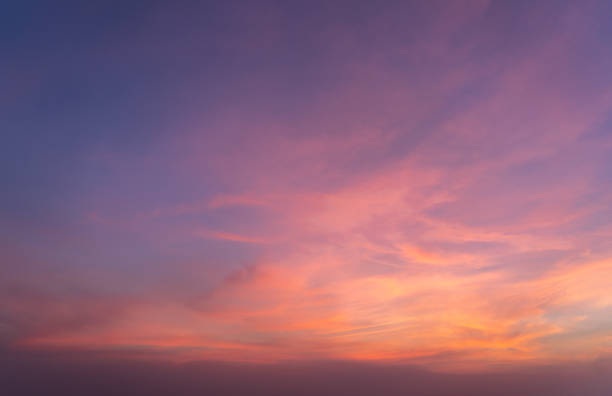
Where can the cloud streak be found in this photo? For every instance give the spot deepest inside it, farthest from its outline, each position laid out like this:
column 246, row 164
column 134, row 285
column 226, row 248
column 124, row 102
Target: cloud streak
column 422, row 184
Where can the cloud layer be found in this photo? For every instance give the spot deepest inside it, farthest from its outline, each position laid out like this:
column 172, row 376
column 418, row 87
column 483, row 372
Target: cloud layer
column 410, row 183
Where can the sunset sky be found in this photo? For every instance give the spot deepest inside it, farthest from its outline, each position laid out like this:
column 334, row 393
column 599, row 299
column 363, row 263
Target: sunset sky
column 421, row 183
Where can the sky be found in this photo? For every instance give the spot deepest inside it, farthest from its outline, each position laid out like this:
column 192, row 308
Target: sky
column 421, row 185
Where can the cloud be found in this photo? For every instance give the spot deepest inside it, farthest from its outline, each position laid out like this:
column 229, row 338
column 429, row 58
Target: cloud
column 419, row 184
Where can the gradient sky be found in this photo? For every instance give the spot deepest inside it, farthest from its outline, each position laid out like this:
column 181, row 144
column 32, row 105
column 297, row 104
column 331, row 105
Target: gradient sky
column 423, row 183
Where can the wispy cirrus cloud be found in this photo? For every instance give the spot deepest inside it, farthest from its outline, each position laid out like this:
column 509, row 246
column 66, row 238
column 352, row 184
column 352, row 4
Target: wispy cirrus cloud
column 433, row 192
